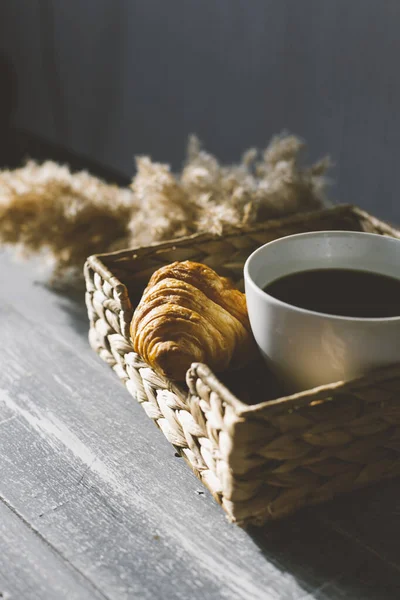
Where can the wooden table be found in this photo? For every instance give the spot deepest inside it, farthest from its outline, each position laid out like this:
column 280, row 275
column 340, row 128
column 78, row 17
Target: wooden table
column 94, row 503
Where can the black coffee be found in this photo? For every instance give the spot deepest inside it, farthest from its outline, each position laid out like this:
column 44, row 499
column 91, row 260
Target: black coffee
column 342, row 292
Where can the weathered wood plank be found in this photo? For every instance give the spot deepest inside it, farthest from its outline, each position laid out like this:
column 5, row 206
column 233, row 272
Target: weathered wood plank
column 330, row 563
column 371, row 517
column 31, row 570
column 86, row 468
column 24, row 285
column 121, row 509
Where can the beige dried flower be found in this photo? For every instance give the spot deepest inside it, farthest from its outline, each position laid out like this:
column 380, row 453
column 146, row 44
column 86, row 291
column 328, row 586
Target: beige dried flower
column 45, row 206
column 163, row 210
column 75, row 215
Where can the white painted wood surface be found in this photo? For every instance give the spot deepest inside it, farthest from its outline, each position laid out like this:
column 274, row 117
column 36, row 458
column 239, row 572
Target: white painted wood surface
column 30, row 568
column 95, row 504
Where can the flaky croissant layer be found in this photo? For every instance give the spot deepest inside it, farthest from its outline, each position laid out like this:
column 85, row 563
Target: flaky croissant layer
column 188, row 314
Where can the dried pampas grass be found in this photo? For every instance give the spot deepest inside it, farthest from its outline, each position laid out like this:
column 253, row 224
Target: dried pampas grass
column 72, row 216
column 75, row 215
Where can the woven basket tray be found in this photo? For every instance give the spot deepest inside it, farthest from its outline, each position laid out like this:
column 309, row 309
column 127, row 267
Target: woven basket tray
column 261, row 456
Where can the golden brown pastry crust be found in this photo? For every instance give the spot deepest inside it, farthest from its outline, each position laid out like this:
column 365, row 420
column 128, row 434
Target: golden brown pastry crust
column 188, row 314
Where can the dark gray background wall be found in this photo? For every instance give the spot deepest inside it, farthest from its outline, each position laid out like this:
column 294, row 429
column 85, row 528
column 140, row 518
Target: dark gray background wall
column 115, row 78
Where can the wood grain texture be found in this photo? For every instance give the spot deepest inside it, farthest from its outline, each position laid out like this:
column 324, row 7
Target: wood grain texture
column 30, row 568
column 138, row 77
column 83, row 468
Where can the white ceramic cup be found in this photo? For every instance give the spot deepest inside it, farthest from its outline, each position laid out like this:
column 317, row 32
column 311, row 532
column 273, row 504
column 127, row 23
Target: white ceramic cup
column 305, row 348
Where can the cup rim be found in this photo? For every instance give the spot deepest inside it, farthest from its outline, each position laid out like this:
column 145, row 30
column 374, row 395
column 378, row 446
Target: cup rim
column 297, row 309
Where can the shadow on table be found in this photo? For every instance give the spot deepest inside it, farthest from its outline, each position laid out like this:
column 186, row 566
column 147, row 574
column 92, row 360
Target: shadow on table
column 346, row 549
column 71, row 300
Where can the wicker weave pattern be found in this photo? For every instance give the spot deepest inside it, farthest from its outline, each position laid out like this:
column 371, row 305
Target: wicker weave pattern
column 265, row 460
column 310, row 447
column 166, row 404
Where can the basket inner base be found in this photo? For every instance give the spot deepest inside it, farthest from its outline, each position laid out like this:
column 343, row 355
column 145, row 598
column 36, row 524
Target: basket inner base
column 254, row 383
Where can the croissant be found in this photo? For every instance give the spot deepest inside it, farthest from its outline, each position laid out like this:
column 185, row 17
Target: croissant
column 188, row 314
